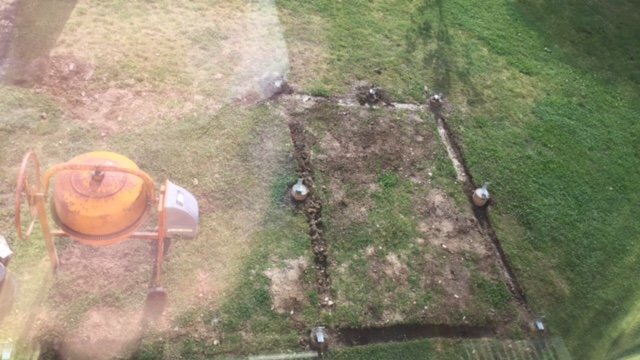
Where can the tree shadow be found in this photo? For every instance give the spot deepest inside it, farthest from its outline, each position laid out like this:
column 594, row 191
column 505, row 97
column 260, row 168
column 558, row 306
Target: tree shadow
column 34, row 28
column 597, row 36
column 610, row 325
column 440, row 58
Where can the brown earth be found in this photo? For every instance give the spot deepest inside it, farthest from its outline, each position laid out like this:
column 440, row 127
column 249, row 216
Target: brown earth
column 353, row 142
column 446, row 226
column 288, row 293
column 89, row 275
column 104, row 333
column 94, row 101
column 103, row 271
column 351, row 146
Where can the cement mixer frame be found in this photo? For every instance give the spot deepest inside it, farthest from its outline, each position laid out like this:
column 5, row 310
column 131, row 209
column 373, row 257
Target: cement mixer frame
column 32, row 193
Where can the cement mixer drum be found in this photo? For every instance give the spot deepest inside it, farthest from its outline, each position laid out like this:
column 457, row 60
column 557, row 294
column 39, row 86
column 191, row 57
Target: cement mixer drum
column 100, row 206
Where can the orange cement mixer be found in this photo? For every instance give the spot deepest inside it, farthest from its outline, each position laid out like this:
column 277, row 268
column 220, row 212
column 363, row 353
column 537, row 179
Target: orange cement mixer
column 102, row 198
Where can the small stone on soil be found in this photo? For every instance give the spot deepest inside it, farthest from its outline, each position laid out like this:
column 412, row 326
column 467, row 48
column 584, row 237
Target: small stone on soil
column 370, row 251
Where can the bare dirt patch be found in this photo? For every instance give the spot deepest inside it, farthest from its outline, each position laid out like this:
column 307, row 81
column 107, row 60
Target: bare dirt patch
column 458, row 241
column 88, row 276
column 104, row 271
column 354, row 138
column 60, row 74
column 449, row 227
column 286, row 288
column 390, row 267
column 395, row 269
column 353, row 145
column 105, row 333
column 94, row 101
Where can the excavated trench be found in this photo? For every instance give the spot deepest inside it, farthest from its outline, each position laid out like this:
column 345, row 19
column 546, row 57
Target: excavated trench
column 397, row 333
column 480, row 213
column 313, row 211
column 462, row 174
column 358, row 336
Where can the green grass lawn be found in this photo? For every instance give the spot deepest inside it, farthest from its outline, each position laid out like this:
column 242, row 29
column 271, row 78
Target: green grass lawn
column 545, row 107
column 546, row 99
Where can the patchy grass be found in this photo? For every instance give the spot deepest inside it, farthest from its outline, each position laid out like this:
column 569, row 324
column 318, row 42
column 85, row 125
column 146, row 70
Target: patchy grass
column 234, row 193
column 246, row 321
column 226, row 155
column 152, row 61
column 545, row 108
column 545, row 98
column 400, row 249
column 389, row 229
column 320, row 91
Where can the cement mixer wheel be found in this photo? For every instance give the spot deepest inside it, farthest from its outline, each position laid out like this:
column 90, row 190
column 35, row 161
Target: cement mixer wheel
column 27, row 186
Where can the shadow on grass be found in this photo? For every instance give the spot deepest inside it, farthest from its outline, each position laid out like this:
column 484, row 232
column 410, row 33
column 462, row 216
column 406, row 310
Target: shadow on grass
column 613, row 323
column 614, row 328
column 432, row 33
column 37, row 26
column 583, row 221
column 597, row 36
